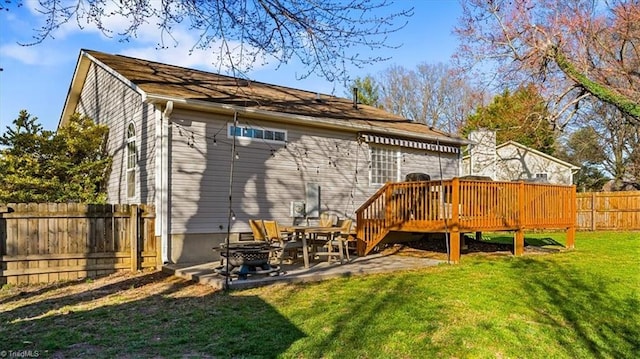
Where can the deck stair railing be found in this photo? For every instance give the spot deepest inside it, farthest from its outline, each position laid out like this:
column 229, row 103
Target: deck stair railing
column 463, row 206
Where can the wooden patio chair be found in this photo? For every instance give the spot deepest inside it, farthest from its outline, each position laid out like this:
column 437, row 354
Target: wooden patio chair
column 285, row 243
column 327, row 220
column 342, row 237
column 257, row 228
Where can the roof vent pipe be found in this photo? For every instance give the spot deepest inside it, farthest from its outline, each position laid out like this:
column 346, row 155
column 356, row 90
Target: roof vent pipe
column 355, row 98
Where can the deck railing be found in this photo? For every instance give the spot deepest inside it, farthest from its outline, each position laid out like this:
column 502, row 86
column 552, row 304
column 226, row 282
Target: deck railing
column 463, row 206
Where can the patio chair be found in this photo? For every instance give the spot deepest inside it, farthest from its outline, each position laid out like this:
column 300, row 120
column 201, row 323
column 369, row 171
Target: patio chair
column 285, row 242
column 327, row 220
column 342, row 238
column 257, row 228
column 259, row 235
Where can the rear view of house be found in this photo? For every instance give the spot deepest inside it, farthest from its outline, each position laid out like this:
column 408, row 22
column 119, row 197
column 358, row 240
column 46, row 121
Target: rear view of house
column 205, row 148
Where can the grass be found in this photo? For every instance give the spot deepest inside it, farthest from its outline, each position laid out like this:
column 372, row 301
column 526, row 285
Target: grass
column 583, row 303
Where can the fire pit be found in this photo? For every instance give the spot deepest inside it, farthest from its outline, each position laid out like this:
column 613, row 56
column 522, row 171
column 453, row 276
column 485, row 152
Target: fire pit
column 245, row 259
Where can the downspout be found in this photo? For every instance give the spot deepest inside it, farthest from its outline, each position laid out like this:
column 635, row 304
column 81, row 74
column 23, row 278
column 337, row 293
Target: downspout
column 163, row 207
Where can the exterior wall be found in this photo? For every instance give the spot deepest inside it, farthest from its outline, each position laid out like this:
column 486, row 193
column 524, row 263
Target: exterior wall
column 109, row 101
column 267, row 177
column 516, row 163
column 430, row 163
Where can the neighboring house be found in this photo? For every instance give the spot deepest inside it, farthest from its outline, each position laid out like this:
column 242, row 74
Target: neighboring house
column 204, row 148
column 512, row 161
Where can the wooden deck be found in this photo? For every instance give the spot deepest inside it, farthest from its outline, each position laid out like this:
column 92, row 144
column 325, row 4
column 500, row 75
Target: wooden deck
column 465, row 206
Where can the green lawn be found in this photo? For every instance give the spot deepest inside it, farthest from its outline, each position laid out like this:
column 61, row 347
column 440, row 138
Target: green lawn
column 583, row 303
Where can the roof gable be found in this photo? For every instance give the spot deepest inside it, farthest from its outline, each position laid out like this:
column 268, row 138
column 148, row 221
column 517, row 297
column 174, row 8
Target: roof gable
column 537, row 153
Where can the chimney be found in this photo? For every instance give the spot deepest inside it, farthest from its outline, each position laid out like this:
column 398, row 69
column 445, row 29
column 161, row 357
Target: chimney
column 483, row 153
column 355, row 98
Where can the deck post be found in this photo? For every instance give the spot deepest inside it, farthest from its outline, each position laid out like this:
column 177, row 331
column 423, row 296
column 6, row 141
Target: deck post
column 454, row 224
column 571, row 237
column 454, row 247
column 518, row 245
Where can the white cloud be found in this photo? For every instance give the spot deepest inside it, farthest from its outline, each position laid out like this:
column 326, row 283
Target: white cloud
column 32, row 55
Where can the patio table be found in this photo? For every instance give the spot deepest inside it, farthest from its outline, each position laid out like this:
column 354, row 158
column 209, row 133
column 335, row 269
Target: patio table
column 303, row 231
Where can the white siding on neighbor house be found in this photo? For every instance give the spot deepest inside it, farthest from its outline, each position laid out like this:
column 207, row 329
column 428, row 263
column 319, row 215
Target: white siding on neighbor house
column 269, row 176
column 516, row 163
column 107, row 100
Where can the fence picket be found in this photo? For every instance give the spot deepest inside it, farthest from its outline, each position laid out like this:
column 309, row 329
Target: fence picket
column 49, row 242
column 608, row 210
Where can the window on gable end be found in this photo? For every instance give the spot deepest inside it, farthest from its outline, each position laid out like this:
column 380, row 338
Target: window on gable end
column 132, row 157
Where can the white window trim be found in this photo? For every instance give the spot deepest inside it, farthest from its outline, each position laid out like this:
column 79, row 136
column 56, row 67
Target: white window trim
column 133, row 169
column 250, row 138
column 545, row 175
column 398, row 156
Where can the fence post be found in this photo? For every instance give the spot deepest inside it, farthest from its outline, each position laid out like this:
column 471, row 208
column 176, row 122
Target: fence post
column 133, row 237
column 518, row 239
column 571, row 231
column 593, row 211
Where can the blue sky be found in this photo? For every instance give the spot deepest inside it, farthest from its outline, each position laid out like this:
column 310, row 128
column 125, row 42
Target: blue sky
column 36, row 78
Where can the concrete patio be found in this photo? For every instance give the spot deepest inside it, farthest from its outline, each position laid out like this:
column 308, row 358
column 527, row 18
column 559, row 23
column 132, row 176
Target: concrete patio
column 296, row 273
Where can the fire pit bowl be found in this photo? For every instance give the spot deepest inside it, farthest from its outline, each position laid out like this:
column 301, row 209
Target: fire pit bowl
column 243, row 259
column 246, row 255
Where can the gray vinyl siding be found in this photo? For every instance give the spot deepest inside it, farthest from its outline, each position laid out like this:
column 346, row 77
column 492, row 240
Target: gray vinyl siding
column 515, row 163
column 108, row 100
column 268, row 176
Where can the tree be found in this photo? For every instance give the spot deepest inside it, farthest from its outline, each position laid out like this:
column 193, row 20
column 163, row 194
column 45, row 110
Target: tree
column 23, row 160
column 590, row 179
column 582, row 147
column 610, row 141
column 40, row 166
column 368, row 91
column 80, row 160
column 577, row 48
column 519, row 116
column 432, row 94
column 324, row 35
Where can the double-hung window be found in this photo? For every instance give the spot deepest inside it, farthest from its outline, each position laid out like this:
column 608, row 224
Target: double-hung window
column 132, row 154
column 385, row 165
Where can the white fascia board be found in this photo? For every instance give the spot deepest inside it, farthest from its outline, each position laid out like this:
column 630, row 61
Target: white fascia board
column 79, row 78
column 539, row 153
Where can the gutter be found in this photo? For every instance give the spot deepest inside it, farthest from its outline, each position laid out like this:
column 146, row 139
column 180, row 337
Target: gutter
column 322, row 122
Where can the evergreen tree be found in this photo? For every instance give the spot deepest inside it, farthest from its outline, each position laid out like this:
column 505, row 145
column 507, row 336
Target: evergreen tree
column 520, row 116
column 37, row 165
column 368, row 91
column 23, row 161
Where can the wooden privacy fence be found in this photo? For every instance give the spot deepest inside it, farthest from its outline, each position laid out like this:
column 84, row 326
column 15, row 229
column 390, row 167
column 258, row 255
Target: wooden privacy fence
column 608, row 211
column 47, row 242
